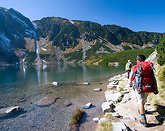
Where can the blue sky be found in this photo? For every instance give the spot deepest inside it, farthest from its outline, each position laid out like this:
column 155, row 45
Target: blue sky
column 137, row 15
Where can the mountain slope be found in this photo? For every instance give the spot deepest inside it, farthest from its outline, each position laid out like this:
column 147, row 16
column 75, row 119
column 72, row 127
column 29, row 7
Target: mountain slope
column 55, row 39
column 14, row 27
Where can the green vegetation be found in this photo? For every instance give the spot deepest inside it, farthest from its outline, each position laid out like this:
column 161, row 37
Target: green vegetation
column 164, row 73
column 123, row 56
column 161, row 51
column 44, row 56
column 65, row 34
column 30, row 57
column 77, row 116
column 127, row 48
column 91, row 53
column 76, row 55
column 105, row 126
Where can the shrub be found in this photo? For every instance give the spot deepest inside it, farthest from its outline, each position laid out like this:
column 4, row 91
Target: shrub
column 164, row 73
column 77, row 116
column 105, row 126
column 161, row 51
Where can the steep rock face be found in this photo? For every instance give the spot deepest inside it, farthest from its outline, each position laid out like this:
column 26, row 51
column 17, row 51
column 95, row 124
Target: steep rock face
column 14, row 27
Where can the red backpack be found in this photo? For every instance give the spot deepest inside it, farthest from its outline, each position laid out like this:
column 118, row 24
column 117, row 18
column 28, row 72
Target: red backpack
column 144, row 80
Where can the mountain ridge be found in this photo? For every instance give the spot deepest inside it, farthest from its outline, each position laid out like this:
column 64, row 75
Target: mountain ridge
column 55, row 39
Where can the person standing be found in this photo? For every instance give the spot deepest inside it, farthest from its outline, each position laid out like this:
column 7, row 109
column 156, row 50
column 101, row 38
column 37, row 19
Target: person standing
column 128, row 68
column 141, row 95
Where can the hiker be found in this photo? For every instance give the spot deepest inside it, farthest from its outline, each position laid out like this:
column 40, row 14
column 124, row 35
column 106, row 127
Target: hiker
column 141, row 72
column 128, row 68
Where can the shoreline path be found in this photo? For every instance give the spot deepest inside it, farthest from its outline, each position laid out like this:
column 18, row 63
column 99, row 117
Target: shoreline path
column 127, row 109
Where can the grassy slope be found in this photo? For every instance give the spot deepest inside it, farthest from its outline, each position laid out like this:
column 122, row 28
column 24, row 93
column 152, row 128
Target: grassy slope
column 159, row 100
column 123, row 56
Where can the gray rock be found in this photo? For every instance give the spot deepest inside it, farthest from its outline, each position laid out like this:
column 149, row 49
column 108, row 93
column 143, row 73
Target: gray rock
column 108, row 92
column 104, row 120
column 107, row 107
column 97, row 89
column 112, row 97
column 55, row 83
column 96, row 119
column 115, row 114
column 46, row 101
column 119, row 126
column 88, row 105
column 9, row 110
column 67, row 103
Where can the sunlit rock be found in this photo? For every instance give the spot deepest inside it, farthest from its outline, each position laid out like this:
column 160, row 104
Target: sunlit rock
column 46, row 101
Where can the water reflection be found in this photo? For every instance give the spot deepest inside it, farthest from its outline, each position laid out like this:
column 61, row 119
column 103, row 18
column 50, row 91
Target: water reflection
column 45, row 74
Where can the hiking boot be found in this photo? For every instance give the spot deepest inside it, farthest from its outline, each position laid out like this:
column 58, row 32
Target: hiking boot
column 143, row 121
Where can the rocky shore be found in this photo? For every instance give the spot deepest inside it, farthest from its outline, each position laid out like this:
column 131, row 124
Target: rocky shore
column 121, row 109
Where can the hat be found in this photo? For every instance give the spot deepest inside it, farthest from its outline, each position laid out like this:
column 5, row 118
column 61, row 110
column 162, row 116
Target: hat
column 129, row 60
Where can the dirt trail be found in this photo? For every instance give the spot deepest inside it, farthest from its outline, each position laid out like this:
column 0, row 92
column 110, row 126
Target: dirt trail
column 129, row 111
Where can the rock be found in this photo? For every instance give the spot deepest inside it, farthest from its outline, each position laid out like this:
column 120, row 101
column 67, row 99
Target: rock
column 96, row 119
column 147, row 103
column 88, row 105
column 104, row 120
column 22, row 99
column 48, row 92
column 67, row 103
column 119, row 126
column 112, row 97
column 108, row 92
column 97, row 89
column 46, row 101
column 55, row 83
column 110, row 86
column 107, row 107
column 115, row 114
column 127, row 91
column 85, row 83
column 9, row 110
column 133, row 118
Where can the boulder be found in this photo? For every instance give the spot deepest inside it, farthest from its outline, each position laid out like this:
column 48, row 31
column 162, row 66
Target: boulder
column 46, row 101
column 55, row 83
column 107, row 107
column 96, row 119
column 108, row 92
column 9, row 110
column 67, row 103
column 88, row 105
column 112, row 97
column 104, row 120
column 119, row 126
column 115, row 114
column 97, row 89
column 85, row 83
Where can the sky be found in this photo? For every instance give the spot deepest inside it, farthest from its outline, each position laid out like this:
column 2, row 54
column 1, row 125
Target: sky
column 137, row 15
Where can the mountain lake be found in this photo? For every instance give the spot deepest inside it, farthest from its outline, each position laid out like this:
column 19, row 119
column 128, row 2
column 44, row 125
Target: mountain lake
column 23, row 86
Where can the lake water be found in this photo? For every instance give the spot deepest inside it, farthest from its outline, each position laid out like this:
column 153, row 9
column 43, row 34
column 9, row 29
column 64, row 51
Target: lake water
column 31, row 83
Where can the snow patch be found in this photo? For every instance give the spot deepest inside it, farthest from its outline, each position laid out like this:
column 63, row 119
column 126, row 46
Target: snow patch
column 43, row 49
column 18, row 19
column 71, row 22
column 35, row 27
